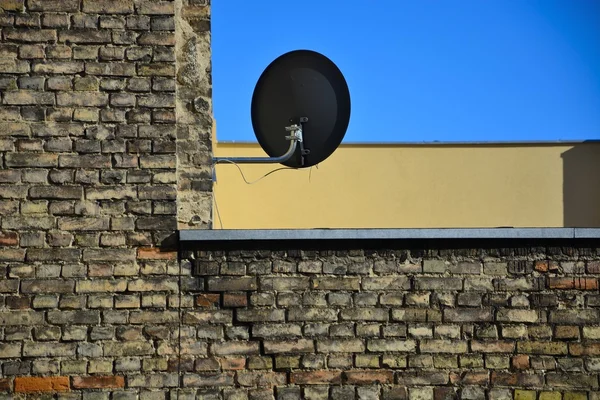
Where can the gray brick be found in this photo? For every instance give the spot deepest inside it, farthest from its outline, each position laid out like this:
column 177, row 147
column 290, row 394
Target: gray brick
column 79, row 99
column 292, row 346
column 110, row 69
column 79, row 317
column 13, row 192
column 423, row 283
column 312, row 314
column 156, row 223
column 31, row 160
column 10, row 350
column 84, row 224
column 56, row 192
column 53, row 5
column 108, row 6
column 261, row 315
column 386, row 283
column 365, row 314
column 226, row 284
column 212, row 316
column 340, row 346
column 328, row 283
column 84, row 36
column 30, row 35
column 209, row 380
column 25, row 317
column 134, row 348
column 47, row 286
column 84, row 161
column 55, row 254
column 59, row 67
column 24, row 223
column 48, row 349
column 108, row 254
column 154, row 285
column 467, row 315
column 232, row 347
column 391, row 345
column 570, row 317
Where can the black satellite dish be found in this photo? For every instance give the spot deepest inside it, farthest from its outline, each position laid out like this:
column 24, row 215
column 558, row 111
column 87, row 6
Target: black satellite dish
column 300, row 110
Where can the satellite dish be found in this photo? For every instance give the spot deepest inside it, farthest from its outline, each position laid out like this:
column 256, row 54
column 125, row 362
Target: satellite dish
column 300, row 110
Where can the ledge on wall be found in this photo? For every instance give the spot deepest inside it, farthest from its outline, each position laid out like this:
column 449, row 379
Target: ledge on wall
column 387, row 234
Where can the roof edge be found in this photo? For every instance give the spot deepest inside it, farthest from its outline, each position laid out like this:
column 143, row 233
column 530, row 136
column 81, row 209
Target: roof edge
column 217, row 235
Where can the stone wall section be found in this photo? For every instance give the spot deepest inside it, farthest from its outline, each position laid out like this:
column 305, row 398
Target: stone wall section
column 105, row 151
column 89, row 279
column 194, row 115
column 395, row 324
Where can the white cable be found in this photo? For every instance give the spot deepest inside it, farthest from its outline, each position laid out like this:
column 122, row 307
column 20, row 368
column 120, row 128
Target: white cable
column 247, row 182
column 244, row 177
column 217, row 209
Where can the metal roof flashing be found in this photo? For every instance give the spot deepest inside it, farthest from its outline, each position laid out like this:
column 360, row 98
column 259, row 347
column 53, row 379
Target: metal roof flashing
column 216, row 235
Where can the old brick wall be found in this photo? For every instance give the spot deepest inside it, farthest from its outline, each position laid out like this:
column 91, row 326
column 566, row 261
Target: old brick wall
column 105, row 121
column 89, row 279
column 428, row 323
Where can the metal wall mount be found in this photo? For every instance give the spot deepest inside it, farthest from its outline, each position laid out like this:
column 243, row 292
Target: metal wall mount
column 295, row 139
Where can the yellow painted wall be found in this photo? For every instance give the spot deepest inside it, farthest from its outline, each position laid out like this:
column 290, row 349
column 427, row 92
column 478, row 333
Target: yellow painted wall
column 416, row 186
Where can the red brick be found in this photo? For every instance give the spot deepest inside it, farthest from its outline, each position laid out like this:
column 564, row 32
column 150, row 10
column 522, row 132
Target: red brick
column 455, row 378
column 183, row 364
column 30, row 384
column 517, row 379
column 18, row 302
column 584, row 349
column 316, row 377
column 573, row 283
column 443, row 393
column 154, row 253
column 541, row 266
column 561, row 283
column 586, row 283
column 208, row 300
column 478, row 378
column 520, row 361
column 5, row 385
column 593, row 267
column 369, row 377
column 98, row 382
column 9, row 239
column 235, row 300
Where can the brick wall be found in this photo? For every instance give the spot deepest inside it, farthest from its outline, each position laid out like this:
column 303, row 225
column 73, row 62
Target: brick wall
column 428, row 323
column 89, row 282
column 105, row 121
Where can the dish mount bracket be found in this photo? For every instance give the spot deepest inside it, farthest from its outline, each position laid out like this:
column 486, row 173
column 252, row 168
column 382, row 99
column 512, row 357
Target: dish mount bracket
column 296, row 140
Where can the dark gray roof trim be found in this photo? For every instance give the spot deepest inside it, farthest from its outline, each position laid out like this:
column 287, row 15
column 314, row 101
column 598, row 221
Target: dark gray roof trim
column 381, row 234
column 447, row 143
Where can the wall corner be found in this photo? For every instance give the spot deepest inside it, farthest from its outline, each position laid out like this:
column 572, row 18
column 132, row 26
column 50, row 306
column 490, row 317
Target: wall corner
column 194, row 114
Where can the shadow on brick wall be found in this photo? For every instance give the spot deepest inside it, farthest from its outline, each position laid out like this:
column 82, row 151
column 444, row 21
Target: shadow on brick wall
column 581, row 185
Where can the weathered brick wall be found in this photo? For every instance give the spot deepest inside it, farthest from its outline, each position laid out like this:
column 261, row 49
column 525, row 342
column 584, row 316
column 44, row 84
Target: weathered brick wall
column 493, row 323
column 88, row 188
column 105, row 121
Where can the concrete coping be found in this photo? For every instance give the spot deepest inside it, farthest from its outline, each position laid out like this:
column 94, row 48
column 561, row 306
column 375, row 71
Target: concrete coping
column 214, row 235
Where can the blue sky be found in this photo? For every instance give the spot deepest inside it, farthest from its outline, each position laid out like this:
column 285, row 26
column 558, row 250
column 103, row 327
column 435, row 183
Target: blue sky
column 424, row 70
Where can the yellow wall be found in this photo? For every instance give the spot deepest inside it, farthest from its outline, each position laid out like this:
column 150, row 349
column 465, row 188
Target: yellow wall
column 416, row 186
